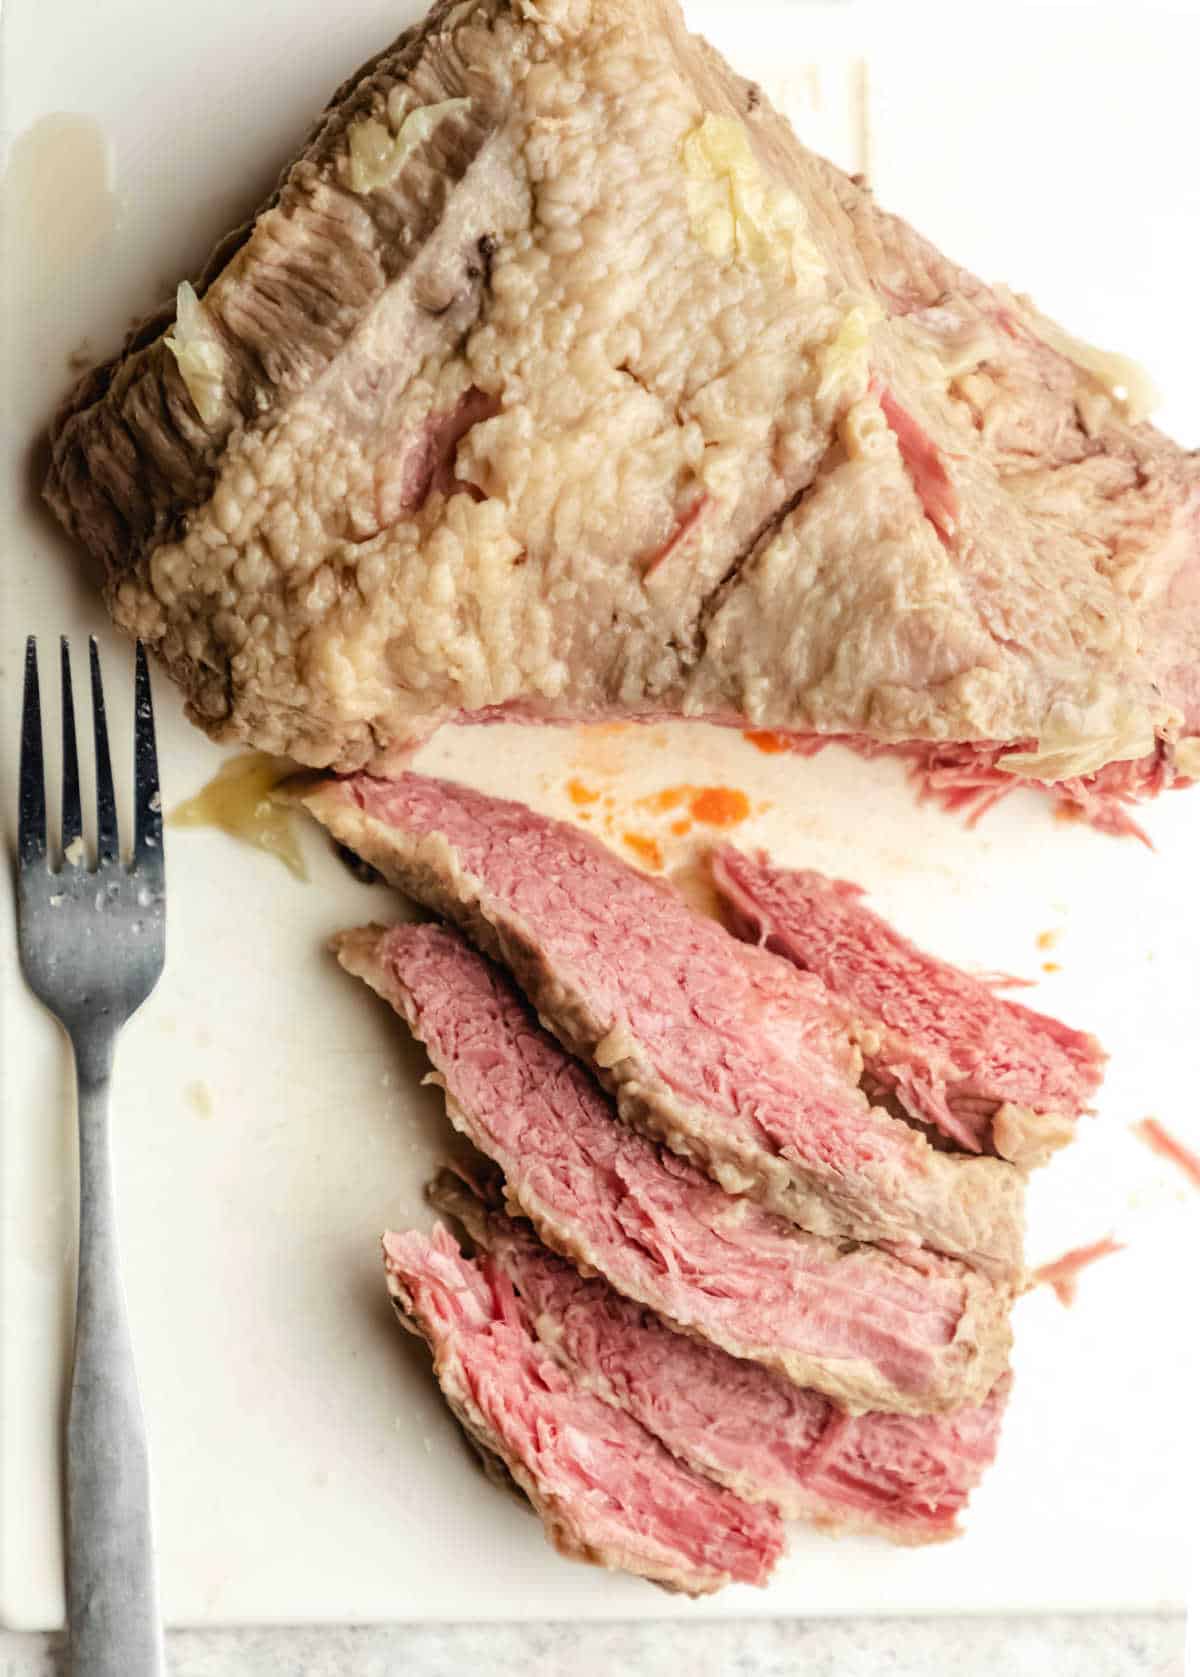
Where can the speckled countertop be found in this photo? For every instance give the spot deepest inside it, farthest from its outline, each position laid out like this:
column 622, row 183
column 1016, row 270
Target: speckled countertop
column 1137, row 1645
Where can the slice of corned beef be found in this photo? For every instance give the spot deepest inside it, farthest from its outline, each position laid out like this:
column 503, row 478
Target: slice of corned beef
column 908, row 1332
column 988, row 1073
column 606, row 1490
column 906, row 1477
column 723, row 1052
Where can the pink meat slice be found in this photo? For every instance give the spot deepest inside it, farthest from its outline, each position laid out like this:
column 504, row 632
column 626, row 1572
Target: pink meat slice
column 987, row 1072
column 906, row 1477
column 723, row 1052
column 606, row 1489
column 876, row 1330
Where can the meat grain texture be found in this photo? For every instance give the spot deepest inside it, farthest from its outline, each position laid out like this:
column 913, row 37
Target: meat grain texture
column 724, row 1053
column 905, row 1477
column 850, row 1379
column 606, row 1489
column 984, row 1071
column 909, row 1332
column 558, row 380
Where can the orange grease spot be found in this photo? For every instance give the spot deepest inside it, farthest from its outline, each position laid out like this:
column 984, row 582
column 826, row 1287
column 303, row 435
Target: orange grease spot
column 720, row 806
column 669, row 798
column 679, row 828
column 1047, row 940
column 647, row 849
column 766, row 741
column 1051, row 966
column 581, row 794
column 715, row 806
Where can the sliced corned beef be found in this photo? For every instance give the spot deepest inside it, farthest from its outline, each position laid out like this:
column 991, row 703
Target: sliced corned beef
column 606, row 1489
column 908, row 1332
column 722, row 1051
column 987, row 1072
column 907, row 1477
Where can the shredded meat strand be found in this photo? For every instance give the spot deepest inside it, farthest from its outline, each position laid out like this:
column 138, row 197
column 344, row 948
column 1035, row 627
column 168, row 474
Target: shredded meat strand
column 1161, row 1141
column 1063, row 1273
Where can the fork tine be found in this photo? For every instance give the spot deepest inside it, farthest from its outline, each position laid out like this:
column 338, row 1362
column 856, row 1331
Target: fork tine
column 72, row 812
column 108, row 839
column 148, row 831
column 31, row 836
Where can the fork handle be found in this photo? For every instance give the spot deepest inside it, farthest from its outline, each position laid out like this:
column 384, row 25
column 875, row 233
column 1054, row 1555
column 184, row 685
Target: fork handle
column 112, row 1593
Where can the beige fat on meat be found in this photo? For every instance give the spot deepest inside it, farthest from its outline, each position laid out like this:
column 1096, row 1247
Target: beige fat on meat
column 558, row 380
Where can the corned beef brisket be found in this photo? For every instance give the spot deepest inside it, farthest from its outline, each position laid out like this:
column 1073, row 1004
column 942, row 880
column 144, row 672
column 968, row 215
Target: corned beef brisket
column 557, row 380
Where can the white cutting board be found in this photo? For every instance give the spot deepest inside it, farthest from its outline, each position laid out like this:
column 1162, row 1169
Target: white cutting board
column 305, row 1469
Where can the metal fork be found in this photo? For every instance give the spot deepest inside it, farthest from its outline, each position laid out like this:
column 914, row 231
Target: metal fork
column 92, row 945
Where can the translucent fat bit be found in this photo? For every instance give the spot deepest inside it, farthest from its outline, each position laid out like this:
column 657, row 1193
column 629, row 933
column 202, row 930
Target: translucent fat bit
column 242, row 800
